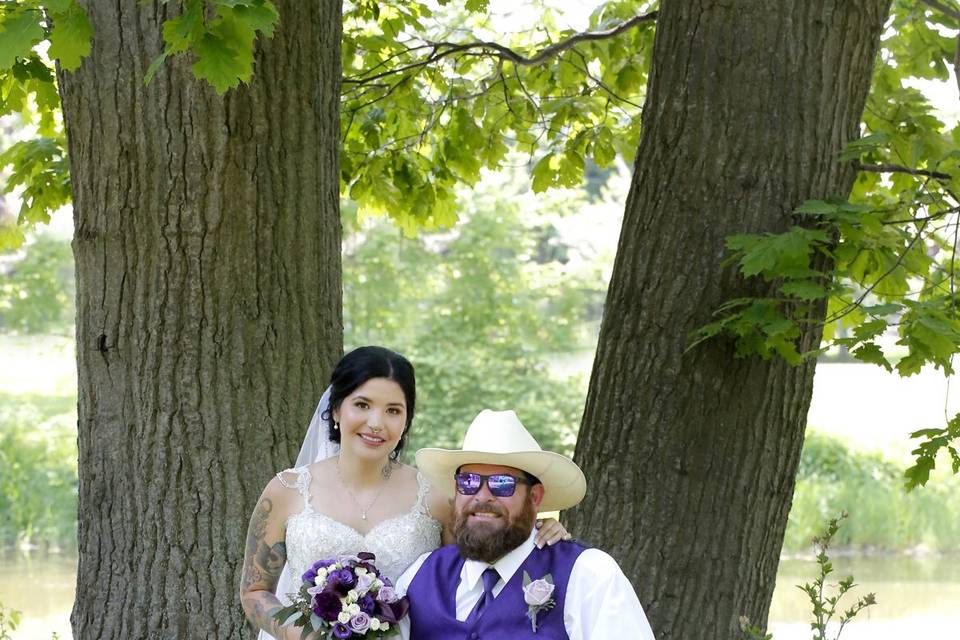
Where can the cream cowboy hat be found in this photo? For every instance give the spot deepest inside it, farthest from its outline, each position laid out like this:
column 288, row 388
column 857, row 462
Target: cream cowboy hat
column 498, row 437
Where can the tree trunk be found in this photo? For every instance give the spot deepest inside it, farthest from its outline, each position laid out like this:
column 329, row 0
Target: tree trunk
column 691, row 456
column 208, row 307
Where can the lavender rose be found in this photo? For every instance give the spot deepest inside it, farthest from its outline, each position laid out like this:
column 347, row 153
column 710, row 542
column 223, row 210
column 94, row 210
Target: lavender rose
column 537, row 593
column 387, row 594
column 360, row 622
column 364, row 582
column 341, row 631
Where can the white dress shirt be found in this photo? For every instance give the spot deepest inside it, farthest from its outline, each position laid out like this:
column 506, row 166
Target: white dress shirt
column 600, row 602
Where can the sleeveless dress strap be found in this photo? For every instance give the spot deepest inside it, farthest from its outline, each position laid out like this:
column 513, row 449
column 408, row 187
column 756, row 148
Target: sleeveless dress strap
column 301, row 484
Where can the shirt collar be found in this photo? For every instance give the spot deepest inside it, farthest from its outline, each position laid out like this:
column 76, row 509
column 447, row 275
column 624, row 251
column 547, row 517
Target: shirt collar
column 505, row 566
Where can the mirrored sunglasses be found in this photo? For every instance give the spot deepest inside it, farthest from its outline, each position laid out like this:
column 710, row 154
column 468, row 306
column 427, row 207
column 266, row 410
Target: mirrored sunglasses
column 501, row 485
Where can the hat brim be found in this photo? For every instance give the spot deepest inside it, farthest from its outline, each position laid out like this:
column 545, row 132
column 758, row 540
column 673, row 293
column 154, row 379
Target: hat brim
column 563, row 481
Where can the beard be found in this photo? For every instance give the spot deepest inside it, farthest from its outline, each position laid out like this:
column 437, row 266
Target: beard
column 488, row 542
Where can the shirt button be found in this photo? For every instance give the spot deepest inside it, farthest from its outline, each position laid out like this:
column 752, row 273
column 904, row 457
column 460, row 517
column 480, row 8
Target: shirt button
column 474, row 635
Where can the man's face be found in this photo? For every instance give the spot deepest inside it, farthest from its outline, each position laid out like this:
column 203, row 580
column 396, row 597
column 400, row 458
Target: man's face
column 487, row 527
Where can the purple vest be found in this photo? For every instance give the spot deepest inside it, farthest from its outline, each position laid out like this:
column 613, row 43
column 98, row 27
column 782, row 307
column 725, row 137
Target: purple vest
column 433, row 591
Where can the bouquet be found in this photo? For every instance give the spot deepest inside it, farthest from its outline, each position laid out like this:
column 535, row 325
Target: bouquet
column 345, row 598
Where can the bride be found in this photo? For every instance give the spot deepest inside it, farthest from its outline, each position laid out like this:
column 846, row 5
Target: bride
column 347, row 493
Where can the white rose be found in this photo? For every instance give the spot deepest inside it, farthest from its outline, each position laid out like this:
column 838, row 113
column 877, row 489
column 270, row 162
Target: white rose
column 375, row 623
column 344, row 617
column 352, row 595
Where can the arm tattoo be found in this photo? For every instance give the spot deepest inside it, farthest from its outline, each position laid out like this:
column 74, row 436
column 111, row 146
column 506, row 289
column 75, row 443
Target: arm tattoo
column 262, row 568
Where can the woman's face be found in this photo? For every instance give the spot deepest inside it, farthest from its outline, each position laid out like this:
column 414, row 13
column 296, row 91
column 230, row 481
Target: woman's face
column 372, row 418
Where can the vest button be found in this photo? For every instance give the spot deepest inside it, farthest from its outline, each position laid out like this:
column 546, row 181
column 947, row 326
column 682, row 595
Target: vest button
column 474, row 635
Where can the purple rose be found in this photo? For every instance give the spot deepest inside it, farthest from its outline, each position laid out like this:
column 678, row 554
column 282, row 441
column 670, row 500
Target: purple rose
column 360, row 622
column 323, row 564
column 367, row 604
column 392, row 611
column 341, row 631
column 343, row 577
column 326, row 605
column 310, row 576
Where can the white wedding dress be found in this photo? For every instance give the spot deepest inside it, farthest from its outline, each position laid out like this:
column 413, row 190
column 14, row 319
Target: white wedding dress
column 396, row 542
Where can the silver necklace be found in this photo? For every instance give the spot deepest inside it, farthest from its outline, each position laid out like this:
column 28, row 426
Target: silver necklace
column 363, row 510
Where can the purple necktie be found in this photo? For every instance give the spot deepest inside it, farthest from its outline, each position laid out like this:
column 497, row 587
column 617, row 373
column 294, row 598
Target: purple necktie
column 490, row 578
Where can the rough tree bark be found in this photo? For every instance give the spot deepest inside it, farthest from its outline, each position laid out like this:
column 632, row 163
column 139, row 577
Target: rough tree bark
column 208, row 307
column 691, row 457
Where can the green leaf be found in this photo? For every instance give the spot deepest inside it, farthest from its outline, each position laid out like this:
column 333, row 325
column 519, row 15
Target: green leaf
column 11, row 237
column 260, row 16
column 816, row 207
column 70, row 38
column 57, row 6
column 871, row 353
column 919, row 474
column 804, row 289
column 476, row 6
column 219, row 64
column 182, row 32
column 154, row 67
column 544, row 174
column 19, row 32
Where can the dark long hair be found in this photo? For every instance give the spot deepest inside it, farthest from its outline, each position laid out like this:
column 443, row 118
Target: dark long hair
column 366, row 363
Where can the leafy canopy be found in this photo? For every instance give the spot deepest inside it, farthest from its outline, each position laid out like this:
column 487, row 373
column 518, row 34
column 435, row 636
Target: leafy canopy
column 432, row 95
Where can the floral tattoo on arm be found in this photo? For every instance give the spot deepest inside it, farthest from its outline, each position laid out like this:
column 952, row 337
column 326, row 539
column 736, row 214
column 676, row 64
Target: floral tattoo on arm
column 262, row 568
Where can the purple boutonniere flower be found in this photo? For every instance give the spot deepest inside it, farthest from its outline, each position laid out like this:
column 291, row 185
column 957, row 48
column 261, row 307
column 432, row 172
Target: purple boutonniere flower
column 538, row 594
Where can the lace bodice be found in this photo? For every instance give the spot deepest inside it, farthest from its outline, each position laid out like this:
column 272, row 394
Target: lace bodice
column 396, row 541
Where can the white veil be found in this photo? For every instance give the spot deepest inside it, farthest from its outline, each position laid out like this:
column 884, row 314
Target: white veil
column 316, row 446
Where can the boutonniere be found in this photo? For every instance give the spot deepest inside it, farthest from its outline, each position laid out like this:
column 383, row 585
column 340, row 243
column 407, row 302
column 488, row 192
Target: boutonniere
column 538, row 594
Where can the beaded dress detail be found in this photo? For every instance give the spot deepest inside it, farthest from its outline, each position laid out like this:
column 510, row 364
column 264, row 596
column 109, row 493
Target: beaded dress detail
column 396, row 542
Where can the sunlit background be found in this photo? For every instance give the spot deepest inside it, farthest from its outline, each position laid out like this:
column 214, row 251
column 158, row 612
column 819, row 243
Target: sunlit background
column 501, row 311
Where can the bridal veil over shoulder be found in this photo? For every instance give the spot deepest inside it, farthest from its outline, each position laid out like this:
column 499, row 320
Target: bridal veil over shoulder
column 316, row 446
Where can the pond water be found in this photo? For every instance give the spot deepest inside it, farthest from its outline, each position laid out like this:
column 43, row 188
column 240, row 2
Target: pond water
column 917, row 596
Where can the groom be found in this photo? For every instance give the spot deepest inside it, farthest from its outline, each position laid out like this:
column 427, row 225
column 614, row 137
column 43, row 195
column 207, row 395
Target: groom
column 495, row 583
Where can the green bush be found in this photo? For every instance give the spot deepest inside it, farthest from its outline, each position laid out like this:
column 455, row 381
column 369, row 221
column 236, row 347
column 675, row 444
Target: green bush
column 37, row 288
column 38, row 470
column 832, row 478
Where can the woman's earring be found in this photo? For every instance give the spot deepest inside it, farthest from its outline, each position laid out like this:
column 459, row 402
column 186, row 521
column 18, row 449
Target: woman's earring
column 336, row 426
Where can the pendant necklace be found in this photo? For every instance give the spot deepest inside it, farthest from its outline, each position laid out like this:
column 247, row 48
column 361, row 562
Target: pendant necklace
column 363, row 510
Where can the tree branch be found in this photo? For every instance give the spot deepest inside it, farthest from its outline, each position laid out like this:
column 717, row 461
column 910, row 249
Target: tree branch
column 442, row 50
column 943, row 8
column 896, row 168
